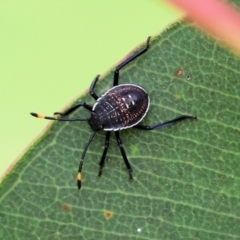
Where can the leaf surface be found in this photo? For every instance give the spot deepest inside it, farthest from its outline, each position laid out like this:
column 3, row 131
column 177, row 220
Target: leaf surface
column 186, row 177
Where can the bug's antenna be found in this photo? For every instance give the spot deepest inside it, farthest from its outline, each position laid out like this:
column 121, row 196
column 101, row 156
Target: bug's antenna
column 58, row 119
column 79, row 175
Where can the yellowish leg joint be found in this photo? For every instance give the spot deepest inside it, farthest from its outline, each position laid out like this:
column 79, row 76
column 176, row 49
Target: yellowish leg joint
column 79, row 177
column 40, row 116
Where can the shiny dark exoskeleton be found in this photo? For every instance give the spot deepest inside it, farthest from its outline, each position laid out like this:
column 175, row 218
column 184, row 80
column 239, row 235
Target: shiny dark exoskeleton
column 122, row 106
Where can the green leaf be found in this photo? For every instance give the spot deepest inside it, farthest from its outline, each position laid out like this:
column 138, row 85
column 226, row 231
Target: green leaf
column 186, row 177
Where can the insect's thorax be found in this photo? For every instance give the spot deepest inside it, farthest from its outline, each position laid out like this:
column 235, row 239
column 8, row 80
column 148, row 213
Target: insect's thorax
column 121, row 107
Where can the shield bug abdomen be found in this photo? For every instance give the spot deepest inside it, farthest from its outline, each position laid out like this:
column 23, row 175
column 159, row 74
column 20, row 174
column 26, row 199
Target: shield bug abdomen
column 121, row 107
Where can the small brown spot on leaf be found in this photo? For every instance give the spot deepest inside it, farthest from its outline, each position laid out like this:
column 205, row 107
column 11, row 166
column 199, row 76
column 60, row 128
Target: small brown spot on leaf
column 108, row 214
column 65, row 207
column 179, row 72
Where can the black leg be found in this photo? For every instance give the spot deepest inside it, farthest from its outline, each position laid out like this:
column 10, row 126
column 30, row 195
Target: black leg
column 91, row 90
column 129, row 59
column 73, row 108
column 101, row 163
column 119, row 142
column 168, row 123
column 79, row 175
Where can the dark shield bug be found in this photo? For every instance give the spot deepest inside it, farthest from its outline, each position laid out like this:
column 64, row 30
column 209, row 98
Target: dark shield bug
column 122, row 106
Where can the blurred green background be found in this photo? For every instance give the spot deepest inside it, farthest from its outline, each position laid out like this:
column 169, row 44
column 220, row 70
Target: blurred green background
column 51, row 50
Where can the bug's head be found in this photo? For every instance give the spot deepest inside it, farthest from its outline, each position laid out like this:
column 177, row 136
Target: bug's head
column 95, row 122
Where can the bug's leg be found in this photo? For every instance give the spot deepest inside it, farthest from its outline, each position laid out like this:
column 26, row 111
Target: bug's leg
column 165, row 124
column 73, row 108
column 58, row 119
column 119, row 142
column 129, row 59
column 79, row 175
column 91, row 89
column 85, row 105
column 101, row 163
